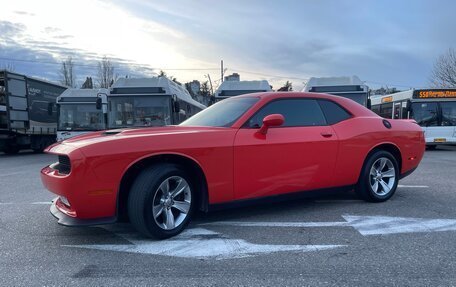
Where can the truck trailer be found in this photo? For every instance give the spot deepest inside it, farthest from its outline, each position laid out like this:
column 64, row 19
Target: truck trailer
column 28, row 114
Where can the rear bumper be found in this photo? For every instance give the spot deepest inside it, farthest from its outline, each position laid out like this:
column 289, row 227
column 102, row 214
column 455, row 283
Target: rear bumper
column 407, row 173
column 66, row 220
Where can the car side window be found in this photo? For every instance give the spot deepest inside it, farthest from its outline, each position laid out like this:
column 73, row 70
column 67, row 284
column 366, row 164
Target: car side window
column 297, row 112
column 333, row 112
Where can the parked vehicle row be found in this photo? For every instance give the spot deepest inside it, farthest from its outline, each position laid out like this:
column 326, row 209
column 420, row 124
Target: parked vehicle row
column 130, row 102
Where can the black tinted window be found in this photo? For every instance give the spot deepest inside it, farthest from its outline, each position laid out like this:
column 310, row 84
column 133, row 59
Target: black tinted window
column 425, row 114
column 333, row 112
column 297, row 112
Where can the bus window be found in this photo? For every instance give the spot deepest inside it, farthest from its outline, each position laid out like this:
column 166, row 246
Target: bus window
column 386, row 110
column 425, row 114
column 376, row 109
column 448, row 113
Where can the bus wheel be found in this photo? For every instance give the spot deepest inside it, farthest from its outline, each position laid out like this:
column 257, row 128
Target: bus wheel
column 11, row 149
column 431, row 147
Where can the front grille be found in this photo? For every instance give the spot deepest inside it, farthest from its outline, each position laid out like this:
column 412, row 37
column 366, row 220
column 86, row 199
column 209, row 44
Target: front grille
column 64, row 166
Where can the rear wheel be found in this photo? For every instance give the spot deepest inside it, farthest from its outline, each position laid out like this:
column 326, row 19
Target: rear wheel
column 379, row 177
column 161, row 201
column 11, row 149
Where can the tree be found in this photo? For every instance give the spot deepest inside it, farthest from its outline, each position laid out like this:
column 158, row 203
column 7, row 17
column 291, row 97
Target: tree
column 163, row 74
column 287, row 87
column 67, row 73
column 105, row 73
column 88, row 84
column 444, row 72
column 204, row 89
column 8, row 67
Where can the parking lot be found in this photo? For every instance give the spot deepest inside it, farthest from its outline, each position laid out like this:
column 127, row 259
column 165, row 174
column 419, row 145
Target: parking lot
column 339, row 240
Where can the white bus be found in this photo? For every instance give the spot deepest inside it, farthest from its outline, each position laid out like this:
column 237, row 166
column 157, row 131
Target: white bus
column 347, row 87
column 433, row 109
column 81, row 111
column 235, row 88
column 155, row 101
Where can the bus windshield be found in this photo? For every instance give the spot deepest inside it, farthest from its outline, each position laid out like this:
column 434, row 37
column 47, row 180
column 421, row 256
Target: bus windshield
column 80, row 117
column 425, row 114
column 139, row 111
column 448, row 113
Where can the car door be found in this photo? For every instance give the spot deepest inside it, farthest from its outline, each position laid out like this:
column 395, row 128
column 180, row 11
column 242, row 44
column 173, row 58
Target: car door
column 297, row 156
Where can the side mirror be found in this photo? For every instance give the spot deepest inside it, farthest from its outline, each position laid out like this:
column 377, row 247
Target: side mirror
column 176, row 106
column 273, row 120
column 369, row 103
column 50, row 108
column 99, row 103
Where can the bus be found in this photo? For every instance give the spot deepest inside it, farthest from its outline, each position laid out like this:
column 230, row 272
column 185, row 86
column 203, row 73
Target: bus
column 433, row 109
column 347, row 87
column 156, row 101
column 231, row 88
column 81, row 111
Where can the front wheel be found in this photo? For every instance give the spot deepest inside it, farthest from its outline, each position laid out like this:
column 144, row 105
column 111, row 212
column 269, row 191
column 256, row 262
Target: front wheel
column 379, row 177
column 161, row 201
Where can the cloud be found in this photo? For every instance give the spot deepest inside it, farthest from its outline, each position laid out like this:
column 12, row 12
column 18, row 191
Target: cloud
column 10, row 29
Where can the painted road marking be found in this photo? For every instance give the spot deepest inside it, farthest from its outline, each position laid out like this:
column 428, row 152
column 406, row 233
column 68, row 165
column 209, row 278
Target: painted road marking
column 365, row 225
column 413, row 186
column 200, row 243
column 21, row 203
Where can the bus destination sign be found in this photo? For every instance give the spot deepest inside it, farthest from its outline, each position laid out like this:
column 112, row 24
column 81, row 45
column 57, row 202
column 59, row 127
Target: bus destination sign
column 434, row 94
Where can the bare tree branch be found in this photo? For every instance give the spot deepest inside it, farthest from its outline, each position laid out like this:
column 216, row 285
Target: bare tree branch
column 105, row 73
column 67, row 73
column 444, row 72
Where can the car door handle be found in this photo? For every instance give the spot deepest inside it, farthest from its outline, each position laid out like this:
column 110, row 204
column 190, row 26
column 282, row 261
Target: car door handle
column 327, row 134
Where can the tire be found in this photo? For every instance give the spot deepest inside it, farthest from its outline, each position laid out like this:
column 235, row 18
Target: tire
column 379, row 177
column 11, row 150
column 431, row 147
column 148, row 196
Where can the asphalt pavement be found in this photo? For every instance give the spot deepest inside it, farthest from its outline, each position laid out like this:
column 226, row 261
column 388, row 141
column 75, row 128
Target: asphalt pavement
column 409, row 240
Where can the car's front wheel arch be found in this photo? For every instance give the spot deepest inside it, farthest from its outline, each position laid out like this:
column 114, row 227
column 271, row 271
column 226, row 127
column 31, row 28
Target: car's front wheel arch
column 189, row 165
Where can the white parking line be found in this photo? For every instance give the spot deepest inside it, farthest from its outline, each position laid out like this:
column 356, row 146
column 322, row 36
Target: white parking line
column 33, row 203
column 413, row 186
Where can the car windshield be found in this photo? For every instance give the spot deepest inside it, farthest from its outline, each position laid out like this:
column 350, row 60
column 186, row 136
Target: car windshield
column 221, row 114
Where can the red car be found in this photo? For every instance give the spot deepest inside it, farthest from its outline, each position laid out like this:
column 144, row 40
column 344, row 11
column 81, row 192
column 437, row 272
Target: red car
column 256, row 146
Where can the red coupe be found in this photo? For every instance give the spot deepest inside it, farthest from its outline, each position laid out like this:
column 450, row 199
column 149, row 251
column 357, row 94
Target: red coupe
column 256, row 146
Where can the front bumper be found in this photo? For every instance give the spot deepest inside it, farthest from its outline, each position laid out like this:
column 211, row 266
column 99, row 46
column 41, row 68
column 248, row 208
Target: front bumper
column 66, row 220
column 89, row 197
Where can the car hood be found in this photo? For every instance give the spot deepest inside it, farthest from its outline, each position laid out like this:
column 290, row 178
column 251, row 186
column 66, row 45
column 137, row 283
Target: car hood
column 123, row 134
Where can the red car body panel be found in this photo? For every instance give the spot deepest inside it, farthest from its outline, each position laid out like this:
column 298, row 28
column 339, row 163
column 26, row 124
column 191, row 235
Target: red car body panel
column 238, row 163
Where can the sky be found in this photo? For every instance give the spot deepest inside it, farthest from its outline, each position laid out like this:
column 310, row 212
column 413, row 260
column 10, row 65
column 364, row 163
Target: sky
column 385, row 43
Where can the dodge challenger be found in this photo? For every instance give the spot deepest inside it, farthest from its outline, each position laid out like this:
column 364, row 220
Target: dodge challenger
column 259, row 146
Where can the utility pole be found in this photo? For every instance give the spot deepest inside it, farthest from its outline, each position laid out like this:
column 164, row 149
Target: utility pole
column 210, row 83
column 221, row 69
